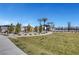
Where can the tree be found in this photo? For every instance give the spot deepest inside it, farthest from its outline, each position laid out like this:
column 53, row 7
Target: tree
column 40, row 20
column 11, row 28
column 36, row 29
column 18, row 28
column 44, row 20
column 29, row 28
column 40, row 29
column 52, row 25
column 69, row 26
column 40, row 26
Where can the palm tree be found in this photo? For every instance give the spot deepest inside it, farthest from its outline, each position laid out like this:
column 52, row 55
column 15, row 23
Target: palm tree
column 40, row 25
column 40, row 20
column 40, row 29
column 44, row 20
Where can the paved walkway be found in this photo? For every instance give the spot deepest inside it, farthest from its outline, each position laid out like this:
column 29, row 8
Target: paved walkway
column 8, row 48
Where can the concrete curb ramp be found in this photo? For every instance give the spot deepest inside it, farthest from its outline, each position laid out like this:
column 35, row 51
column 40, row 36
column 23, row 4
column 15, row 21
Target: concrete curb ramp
column 8, row 48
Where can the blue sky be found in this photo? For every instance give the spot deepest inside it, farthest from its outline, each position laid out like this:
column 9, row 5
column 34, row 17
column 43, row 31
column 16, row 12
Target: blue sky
column 29, row 13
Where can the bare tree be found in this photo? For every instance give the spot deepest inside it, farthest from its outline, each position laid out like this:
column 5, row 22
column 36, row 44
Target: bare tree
column 51, row 24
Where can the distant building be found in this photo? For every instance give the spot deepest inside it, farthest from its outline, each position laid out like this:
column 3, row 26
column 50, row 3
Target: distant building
column 65, row 29
column 4, row 28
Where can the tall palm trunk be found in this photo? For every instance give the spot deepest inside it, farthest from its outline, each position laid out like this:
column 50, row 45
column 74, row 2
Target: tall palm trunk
column 44, row 20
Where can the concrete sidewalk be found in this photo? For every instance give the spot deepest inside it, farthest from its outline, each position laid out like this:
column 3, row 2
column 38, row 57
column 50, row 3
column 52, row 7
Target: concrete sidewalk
column 8, row 48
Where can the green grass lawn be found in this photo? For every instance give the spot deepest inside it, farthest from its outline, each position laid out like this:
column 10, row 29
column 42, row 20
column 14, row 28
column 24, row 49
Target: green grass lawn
column 55, row 44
